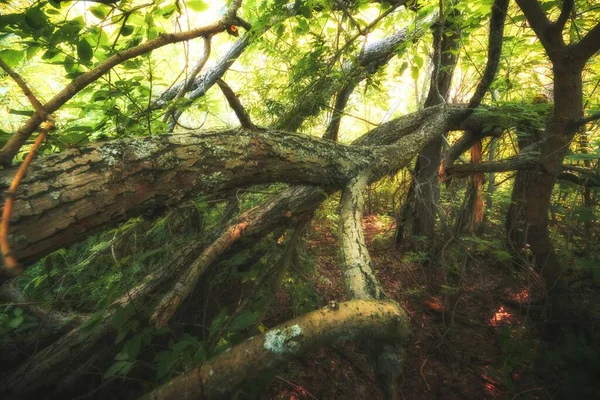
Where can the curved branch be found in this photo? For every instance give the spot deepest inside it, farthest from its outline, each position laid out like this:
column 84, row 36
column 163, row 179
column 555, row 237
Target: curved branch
column 70, row 195
column 350, row 320
column 495, row 39
column 172, row 112
column 50, row 320
column 365, row 64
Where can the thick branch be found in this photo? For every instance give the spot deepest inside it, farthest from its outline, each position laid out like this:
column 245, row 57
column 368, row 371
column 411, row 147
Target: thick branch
column 361, row 282
column 46, row 368
column 520, row 162
column 564, row 15
column 68, row 196
column 244, row 362
column 50, row 320
column 80, row 191
column 538, row 20
column 587, row 47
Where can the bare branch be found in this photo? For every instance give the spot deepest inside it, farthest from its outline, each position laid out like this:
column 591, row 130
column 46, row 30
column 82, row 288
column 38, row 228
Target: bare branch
column 172, row 112
column 587, row 47
column 519, row 162
column 495, row 39
column 236, row 105
column 564, row 15
column 37, row 106
column 341, row 100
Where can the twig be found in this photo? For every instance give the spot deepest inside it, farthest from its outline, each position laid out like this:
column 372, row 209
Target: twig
column 47, row 125
column 422, row 371
column 236, row 105
column 26, row 91
column 10, row 260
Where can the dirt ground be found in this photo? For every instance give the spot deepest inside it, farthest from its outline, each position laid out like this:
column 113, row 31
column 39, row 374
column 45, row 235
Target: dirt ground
column 456, row 350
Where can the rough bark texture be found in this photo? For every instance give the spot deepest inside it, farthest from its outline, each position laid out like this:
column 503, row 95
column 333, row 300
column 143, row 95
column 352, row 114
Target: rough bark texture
column 360, row 280
column 70, row 195
column 568, row 63
column 356, row 319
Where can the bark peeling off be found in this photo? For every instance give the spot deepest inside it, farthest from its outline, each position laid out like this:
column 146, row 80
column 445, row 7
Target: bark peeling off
column 244, row 362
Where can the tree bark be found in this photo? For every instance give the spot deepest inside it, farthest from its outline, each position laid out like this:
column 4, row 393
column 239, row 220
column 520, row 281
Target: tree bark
column 355, row 319
column 423, row 193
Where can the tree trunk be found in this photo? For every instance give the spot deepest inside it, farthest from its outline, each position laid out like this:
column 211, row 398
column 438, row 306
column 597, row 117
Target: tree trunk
column 527, row 221
column 424, row 191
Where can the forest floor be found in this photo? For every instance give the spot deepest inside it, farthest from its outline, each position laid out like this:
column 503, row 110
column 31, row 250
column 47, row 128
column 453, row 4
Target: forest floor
column 470, row 343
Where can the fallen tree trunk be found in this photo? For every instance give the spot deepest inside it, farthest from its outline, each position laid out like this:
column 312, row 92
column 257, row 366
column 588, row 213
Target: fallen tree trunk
column 71, row 195
column 356, row 319
column 68, row 196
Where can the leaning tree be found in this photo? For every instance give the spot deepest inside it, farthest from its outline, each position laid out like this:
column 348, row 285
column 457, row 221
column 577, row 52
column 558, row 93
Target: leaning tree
column 141, row 158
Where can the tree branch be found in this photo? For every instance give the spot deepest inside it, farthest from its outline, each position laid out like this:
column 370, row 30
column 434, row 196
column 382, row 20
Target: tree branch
column 537, row 20
column 37, row 106
column 376, row 320
column 519, row 162
column 587, row 47
column 495, row 40
column 173, row 112
column 564, row 15
column 20, row 137
column 236, row 105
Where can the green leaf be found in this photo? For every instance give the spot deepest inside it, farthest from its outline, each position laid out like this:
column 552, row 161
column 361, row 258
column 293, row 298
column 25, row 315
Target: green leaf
column 418, row 61
column 196, row 5
column 134, row 346
column 121, row 316
column 414, row 72
column 164, row 368
column 116, row 368
column 180, row 346
column 18, row 311
column 122, row 356
column 99, row 11
column 127, row 30
column 200, row 355
column 84, row 50
column 11, row 57
column 244, row 320
column 16, row 321
column 35, row 18
column 70, row 64
column 121, row 335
